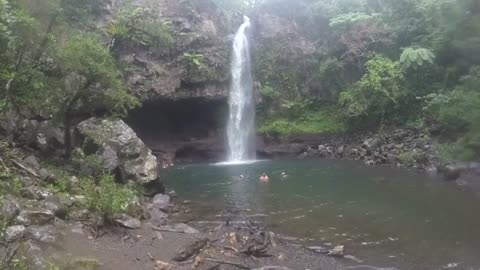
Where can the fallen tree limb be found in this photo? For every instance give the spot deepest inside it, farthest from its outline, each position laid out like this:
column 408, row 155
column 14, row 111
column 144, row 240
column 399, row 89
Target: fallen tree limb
column 25, row 168
column 272, row 268
column 155, row 228
column 241, row 266
column 177, row 228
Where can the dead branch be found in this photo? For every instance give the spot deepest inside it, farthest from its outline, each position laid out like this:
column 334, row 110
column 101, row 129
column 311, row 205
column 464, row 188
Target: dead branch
column 241, row 266
column 25, row 168
column 272, row 268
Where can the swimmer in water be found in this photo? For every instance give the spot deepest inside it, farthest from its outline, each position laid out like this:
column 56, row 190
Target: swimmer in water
column 264, row 178
column 284, row 175
column 242, row 177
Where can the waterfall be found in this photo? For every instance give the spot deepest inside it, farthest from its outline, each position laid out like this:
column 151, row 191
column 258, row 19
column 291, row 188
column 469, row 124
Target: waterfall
column 241, row 121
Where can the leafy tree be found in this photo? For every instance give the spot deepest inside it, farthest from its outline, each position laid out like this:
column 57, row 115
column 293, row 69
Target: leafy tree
column 18, row 38
column 92, row 83
column 377, row 93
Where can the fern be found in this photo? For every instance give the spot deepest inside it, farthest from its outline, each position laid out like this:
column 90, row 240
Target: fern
column 416, row 57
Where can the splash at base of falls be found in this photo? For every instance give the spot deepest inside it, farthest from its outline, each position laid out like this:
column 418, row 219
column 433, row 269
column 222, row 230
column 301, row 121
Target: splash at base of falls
column 241, row 162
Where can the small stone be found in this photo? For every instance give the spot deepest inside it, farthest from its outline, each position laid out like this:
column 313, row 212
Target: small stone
column 77, row 228
column 452, row 172
column 161, row 265
column 161, row 201
column 134, row 208
column 74, row 180
column 185, row 228
column 157, row 215
column 318, row 249
column 78, row 200
column 370, row 163
column 47, row 176
column 54, row 205
column 32, row 162
column 128, row 222
column 159, row 235
column 341, row 150
column 80, row 214
column 14, row 233
column 337, row 251
column 353, row 258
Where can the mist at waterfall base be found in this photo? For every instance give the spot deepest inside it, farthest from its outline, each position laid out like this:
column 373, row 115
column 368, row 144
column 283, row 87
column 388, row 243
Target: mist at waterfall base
column 241, row 120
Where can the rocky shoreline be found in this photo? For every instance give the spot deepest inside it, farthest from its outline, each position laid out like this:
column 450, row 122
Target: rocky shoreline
column 408, row 148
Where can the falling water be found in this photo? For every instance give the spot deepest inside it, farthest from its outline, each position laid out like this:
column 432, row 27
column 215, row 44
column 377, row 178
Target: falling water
column 241, row 121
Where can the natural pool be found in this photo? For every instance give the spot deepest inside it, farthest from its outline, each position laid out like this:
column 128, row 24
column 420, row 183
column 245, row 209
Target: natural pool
column 384, row 216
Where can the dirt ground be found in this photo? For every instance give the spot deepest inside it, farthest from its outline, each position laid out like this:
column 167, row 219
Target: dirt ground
column 148, row 249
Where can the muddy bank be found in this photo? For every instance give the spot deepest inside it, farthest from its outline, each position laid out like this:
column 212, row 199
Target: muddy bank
column 220, row 247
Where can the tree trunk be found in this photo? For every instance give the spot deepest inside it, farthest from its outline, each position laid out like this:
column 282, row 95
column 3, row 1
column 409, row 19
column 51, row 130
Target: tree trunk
column 67, row 135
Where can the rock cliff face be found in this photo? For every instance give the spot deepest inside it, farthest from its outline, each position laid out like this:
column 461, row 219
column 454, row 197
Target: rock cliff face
column 197, row 28
column 183, row 87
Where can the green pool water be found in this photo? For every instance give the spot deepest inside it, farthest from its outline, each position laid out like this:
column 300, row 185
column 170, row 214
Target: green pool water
column 385, row 217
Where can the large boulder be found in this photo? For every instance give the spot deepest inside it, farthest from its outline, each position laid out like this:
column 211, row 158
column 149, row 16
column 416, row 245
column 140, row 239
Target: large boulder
column 14, row 233
column 35, row 216
column 119, row 149
column 44, row 234
column 9, row 208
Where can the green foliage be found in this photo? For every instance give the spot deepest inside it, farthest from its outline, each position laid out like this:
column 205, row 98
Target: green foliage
column 326, row 121
column 20, row 82
column 10, row 183
column 194, row 60
column 87, row 63
column 412, row 57
column 377, row 93
column 62, row 185
column 141, row 26
column 107, row 198
column 3, row 225
column 344, row 20
column 458, row 113
column 408, row 158
column 18, row 263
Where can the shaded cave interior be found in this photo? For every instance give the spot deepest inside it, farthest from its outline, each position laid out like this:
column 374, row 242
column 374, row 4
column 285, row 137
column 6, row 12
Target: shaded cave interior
column 184, row 130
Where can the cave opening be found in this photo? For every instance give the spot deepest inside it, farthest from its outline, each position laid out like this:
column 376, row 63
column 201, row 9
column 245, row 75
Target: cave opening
column 186, row 130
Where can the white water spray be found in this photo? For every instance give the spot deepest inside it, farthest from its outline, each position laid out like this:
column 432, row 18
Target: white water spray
column 241, row 121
